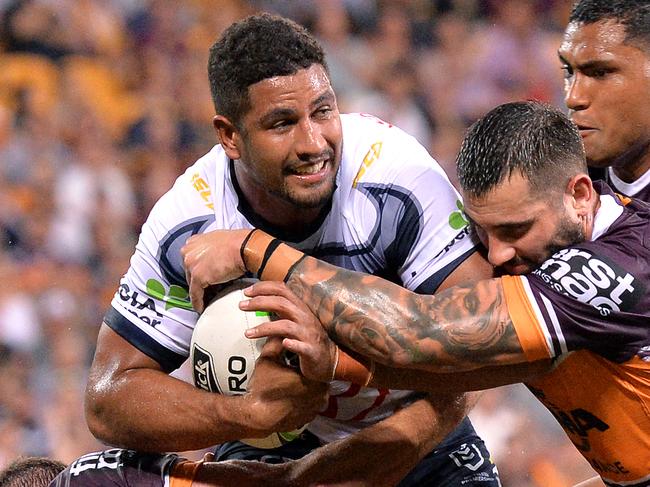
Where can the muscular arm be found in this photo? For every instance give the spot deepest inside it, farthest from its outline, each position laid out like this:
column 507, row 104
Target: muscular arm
column 368, row 458
column 131, row 402
column 474, row 380
column 460, row 328
column 379, row 455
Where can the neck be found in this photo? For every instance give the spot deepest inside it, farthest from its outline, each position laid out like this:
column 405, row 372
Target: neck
column 633, row 164
column 275, row 210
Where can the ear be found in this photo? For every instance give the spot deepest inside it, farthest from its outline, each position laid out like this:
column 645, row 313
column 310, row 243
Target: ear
column 581, row 191
column 228, row 135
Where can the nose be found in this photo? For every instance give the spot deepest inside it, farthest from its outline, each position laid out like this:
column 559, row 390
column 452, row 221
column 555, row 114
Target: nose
column 499, row 252
column 311, row 140
column 575, row 93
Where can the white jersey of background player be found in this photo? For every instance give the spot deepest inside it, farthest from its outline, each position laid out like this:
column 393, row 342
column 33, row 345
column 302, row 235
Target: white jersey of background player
column 393, row 213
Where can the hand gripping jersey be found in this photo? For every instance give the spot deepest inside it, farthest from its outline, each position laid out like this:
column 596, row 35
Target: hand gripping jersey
column 593, row 298
column 126, row 468
column 394, row 214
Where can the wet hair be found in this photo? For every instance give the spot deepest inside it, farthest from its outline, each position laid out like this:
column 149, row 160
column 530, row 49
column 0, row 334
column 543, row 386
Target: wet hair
column 528, row 138
column 634, row 15
column 254, row 49
column 31, row 472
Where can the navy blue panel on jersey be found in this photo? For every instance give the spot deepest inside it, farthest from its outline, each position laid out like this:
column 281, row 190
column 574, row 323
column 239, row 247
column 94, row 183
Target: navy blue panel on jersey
column 431, row 285
column 167, row 359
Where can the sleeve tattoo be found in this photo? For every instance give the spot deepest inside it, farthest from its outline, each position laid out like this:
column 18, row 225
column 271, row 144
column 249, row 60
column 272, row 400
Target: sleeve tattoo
column 461, row 328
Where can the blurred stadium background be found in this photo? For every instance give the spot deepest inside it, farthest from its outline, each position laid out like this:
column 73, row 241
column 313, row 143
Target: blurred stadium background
column 104, row 102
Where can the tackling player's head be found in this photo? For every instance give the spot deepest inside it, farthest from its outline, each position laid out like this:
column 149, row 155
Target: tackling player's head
column 524, row 180
column 606, row 59
column 277, row 116
column 31, row 472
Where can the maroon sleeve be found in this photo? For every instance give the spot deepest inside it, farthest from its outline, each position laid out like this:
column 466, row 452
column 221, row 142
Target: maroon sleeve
column 119, row 468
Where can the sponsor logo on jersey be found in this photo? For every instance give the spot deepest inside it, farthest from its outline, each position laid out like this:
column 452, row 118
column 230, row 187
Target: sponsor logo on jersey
column 464, row 233
column 595, row 280
column 144, row 308
column 457, row 219
column 199, row 184
column 106, row 459
column 578, row 422
column 371, row 156
column 175, row 297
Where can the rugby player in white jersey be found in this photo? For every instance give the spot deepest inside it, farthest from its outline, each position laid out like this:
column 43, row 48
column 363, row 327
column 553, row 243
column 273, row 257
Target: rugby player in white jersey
column 349, row 189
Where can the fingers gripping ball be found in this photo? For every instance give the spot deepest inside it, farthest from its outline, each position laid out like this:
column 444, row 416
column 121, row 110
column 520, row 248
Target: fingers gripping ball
column 223, row 359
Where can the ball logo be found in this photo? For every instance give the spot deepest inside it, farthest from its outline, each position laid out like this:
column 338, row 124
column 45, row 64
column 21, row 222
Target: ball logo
column 203, row 370
column 237, row 381
column 594, row 280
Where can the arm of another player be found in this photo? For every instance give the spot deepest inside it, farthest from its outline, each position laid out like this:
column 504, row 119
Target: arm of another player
column 461, row 328
column 132, row 402
column 302, row 334
column 379, row 455
column 372, row 456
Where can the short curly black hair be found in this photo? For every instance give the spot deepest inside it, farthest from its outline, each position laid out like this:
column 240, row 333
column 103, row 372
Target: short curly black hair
column 254, row 49
column 634, row 15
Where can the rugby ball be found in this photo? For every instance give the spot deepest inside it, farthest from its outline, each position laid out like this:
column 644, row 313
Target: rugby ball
column 223, row 359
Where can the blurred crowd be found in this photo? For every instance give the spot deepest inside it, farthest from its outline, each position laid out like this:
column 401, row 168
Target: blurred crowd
column 104, row 102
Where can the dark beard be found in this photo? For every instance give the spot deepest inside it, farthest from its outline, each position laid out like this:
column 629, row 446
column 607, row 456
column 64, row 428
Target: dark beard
column 568, row 234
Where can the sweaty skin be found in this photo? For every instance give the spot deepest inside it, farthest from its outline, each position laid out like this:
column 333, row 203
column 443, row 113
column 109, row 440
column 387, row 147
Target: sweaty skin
column 460, row 328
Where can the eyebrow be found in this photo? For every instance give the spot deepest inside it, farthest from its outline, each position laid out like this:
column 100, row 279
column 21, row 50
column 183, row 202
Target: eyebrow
column 595, row 63
column 326, row 97
column 509, row 226
column 280, row 113
column 276, row 114
column 506, row 226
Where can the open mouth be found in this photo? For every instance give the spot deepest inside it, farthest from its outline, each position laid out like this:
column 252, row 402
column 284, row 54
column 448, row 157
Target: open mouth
column 308, row 169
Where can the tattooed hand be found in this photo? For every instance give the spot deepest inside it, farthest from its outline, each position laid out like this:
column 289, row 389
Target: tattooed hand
column 302, row 332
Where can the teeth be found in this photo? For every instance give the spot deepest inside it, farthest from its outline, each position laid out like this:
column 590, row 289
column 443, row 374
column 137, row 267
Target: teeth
column 310, row 169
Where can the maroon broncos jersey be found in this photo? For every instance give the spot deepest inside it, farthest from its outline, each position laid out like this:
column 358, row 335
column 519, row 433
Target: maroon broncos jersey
column 589, row 306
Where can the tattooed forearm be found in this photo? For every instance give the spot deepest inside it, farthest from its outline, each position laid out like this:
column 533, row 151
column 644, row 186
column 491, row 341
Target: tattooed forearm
column 458, row 329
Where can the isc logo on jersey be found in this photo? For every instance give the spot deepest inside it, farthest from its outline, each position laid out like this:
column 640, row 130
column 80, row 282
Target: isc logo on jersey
column 222, row 358
column 593, row 280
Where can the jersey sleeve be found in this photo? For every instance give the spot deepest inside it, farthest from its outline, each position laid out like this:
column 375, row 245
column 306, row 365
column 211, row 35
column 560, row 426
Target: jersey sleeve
column 126, row 467
column 424, row 235
column 577, row 300
column 151, row 308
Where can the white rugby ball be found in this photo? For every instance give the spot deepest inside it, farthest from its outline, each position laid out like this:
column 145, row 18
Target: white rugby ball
column 223, row 359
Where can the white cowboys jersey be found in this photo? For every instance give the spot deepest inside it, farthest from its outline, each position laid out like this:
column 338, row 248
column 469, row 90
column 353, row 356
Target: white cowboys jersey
column 393, row 214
